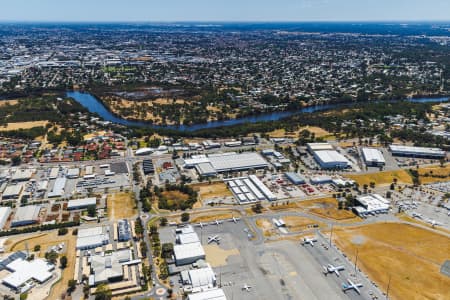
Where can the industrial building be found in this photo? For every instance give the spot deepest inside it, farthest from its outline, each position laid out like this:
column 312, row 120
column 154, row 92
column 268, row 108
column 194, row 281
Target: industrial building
column 26, row 215
column 22, row 271
column 5, row 211
column 53, row 173
column 123, row 230
column 81, row 203
column 108, row 268
column 58, row 188
column 73, row 173
column 226, row 162
column 312, row 147
column 12, row 192
column 295, row 178
column 198, row 279
column 188, row 253
column 94, row 237
column 249, row 189
column 213, row 294
column 370, row 204
column 412, row 151
column 148, row 167
column 373, row 157
column 144, row 151
column 331, row 159
column 22, row 175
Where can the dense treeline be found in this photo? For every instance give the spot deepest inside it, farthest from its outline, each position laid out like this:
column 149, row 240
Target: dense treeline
column 28, row 134
column 39, row 228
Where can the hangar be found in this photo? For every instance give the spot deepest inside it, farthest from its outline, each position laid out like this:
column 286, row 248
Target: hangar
column 188, row 253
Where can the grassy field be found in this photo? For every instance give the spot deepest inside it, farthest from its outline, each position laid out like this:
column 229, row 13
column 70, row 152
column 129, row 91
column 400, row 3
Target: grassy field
column 412, row 256
column 46, row 240
column 328, row 208
column 23, row 125
column 295, row 224
column 121, row 206
column 434, row 174
column 382, row 178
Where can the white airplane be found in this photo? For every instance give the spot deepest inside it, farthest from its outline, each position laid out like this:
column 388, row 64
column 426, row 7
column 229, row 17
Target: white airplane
column 215, row 238
column 434, row 223
column 309, row 241
column 234, row 219
column 416, row 215
column 246, row 288
column 351, row 286
column 201, row 225
column 216, row 222
column 332, row 269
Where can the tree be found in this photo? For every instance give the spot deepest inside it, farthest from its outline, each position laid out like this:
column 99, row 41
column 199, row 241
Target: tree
column 51, row 256
column 91, row 210
column 37, row 248
column 103, row 292
column 185, row 217
column 167, row 250
column 163, row 221
column 72, row 284
column 16, row 160
column 63, row 262
column 257, row 208
column 62, row 231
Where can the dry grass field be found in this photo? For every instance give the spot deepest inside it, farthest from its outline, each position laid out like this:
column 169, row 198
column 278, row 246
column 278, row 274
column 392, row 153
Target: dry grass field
column 266, row 226
column 434, row 174
column 211, row 217
column 295, row 224
column 23, row 125
column 328, row 208
column 121, row 206
column 283, row 206
column 208, row 191
column 46, row 240
column 319, row 132
column 412, row 256
column 8, row 102
column 382, row 178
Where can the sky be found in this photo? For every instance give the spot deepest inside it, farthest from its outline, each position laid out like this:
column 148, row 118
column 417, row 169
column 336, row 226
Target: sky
column 223, row 10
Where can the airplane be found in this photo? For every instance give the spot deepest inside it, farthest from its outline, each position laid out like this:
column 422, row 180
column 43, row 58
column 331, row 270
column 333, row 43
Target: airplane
column 434, row 222
column 246, row 287
column 234, row 219
column 216, row 222
column 215, row 238
column 201, row 225
column 309, row 241
column 416, row 215
column 332, row 269
column 351, row 286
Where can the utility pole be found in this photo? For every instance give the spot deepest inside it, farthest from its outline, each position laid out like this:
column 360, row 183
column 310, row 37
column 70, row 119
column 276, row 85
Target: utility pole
column 388, row 286
column 356, row 261
column 331, row 234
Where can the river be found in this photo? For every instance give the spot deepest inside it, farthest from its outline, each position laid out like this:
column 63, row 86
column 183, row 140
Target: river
column 95, row 106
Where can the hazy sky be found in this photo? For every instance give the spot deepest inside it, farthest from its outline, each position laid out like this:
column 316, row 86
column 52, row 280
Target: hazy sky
column 223, row 10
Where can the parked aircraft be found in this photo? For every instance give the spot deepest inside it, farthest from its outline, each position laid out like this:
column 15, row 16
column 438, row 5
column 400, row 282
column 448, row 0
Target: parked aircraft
column 332, row 269
column 214, row 238
column 246, row 287
column 310, row 241
column 351, row 286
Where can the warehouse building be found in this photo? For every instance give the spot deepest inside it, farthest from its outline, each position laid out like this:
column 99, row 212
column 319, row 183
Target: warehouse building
column 295, row 178
column 144, row 151
column 412, row 151
column 26, row 215
column 214, row 294
column 226, row 162
column 373, row 157
column 331, row 159
column 22, row 175
column 73, row 173
column 58, row 188
column 89, row 238
column 12, row 192
column 53, row 173
column 370, row 204
column 81, row 203
column 188, row 253
column 312, row 147
column 5, row 211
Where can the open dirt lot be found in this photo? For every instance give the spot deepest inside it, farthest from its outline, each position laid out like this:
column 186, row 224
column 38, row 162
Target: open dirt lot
column 295, row 224
column 47, row 240
column 434, row 174
column 208, row 191
column 266, row 226
column 217, row 256
column 23, row 125
column 412, row 256
column 382, row 178
column 328, row 208
column 120, row 206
